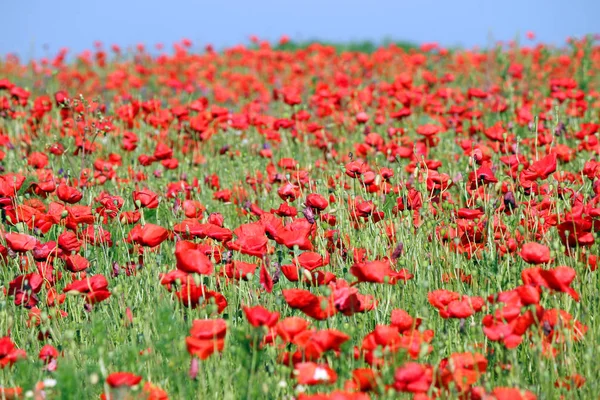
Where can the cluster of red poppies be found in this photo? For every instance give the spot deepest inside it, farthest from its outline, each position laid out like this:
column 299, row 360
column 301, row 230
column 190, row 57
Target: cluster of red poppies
column 319, row 169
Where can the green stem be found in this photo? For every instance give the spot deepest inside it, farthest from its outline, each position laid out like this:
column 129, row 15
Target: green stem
column 255, row 337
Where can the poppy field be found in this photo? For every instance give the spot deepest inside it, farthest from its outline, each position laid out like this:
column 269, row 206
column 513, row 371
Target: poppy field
column 301, row 223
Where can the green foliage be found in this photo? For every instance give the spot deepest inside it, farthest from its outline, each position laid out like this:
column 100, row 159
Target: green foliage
column 364, row 46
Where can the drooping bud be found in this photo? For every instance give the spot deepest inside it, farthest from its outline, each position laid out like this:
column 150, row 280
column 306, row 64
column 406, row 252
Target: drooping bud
column 309, row 214
column 509, row 201
column 398, row 251
column 194, row 367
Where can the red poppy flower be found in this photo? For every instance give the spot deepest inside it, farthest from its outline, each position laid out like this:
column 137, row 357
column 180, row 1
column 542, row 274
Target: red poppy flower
column 508, row 326
column 10, row 393
column 363, row 380
column 379, row 272
column 454, row 305
column 577, row 232
column 31, row 281
column 149, row 235
column 170, row 278
column 317, row 307
column 20, row 242
column 37, row 160
column 284, row 210
column 69, row 242
column 311, row 261
column 239, row 269
column 356, row 168
column 535, row 253
column 191, row 259
column 335, row 395
column 87, row 285
column 250, row 240
column 76, row 263
column 68, row 194
column 429, row 130
column 413, row 378
column 130, row 217
column 484, row 175
column 288, row 163
column 122, row 379
column 463, row 369
column 310, row 373
column 504, row 393
column 266, row 281
column 145, row 199
column 153, row 392
column 97, row 296
column 291, row 236
column 290, row 327
column 288, row 192
column 403, row 321
column 349, row 301
column 540, row 169
column 48, row 353
column 316, row 202
column 559, row 279
column 209, row 328
column 260, row 316
column 319, row 342
column 553, row 319
column 193, row 208
column 362, row 117
column 207, row 337
column 9, row 354
column 192, row 295
column 79, row 215
column 193, row 227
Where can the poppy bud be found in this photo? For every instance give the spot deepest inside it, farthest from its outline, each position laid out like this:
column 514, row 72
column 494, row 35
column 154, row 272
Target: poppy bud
column 398, row 251
column 309, row 214
column 509, row 201
column 194, row 367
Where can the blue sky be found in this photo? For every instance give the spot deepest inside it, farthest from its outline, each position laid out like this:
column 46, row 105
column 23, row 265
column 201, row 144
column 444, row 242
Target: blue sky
column 37, row 28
